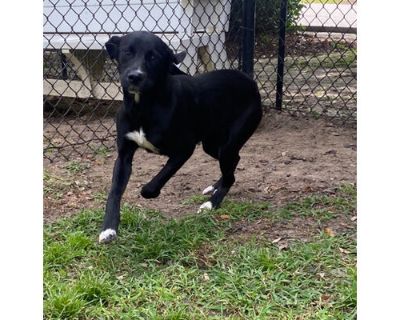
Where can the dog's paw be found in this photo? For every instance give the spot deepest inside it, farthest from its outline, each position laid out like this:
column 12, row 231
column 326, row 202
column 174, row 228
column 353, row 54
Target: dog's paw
column 205, row 206
column 149, row 192
column 107, row 236
column 208, row 190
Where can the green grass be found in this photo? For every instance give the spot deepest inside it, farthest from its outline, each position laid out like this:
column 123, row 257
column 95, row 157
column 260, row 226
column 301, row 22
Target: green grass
column 325, row 1
column 343, row 59
column 102, row 151
column 190, row 269
column 74, row 167
column 55, row 185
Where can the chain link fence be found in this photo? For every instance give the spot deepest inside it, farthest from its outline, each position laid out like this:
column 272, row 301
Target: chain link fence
column 81, row 89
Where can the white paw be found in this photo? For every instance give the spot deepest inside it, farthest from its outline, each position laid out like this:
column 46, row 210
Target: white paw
column 205, row 206
column 107, row 236
column 208, row 190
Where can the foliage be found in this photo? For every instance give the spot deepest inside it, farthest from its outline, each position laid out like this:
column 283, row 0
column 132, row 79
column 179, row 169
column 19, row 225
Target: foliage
column 267, row 15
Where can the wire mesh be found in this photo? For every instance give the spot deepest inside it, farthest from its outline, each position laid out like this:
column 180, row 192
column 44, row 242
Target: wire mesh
column 320, row 70
column 81, row 89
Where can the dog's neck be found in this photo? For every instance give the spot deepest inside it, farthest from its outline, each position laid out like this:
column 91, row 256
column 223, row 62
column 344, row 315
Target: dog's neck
column 140, row 99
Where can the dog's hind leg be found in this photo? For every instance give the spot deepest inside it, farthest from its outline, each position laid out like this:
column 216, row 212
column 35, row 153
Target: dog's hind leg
column 153, row 188
column 212, row 149
column 228, row 162
column 229, row 157
column 212, row 188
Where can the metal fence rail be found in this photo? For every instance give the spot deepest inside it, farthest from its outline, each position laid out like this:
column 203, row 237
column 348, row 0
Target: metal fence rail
column 316, row 75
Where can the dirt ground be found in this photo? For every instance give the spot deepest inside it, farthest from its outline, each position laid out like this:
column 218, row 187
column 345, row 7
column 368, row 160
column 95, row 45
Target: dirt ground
column 286, row 159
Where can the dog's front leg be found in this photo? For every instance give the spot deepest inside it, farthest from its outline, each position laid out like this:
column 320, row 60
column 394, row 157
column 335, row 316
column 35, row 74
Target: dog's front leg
column 153, row 188
column 121, row 174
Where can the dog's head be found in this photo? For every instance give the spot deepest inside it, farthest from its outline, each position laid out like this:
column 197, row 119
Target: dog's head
column 144, row 60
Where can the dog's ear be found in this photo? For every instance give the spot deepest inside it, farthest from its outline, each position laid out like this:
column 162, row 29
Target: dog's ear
column 112, row 47
column 173, row 69
column 178, row 57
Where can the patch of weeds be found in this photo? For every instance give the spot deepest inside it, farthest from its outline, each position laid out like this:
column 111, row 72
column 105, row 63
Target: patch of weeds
column 72, row 247
column 349, row 190
column 239, row 210
column 100, row 197
column 195, row 199
column 55, row 185
column 265, row 39
column 340, row 46
column 342, row 59
column 102, row 151
column 63, row 302
column 315, row 114
column 94, row 289
column 324, row 1
column 321, row 207
column 74, row 167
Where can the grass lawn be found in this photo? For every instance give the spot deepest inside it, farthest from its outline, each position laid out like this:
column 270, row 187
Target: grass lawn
column 198, row 268
column 333, row 60
column 326, row 1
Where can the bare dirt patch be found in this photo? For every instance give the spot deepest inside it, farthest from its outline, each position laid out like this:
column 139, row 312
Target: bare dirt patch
column 286, row 159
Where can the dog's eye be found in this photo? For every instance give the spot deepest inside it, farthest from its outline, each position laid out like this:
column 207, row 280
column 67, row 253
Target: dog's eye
column 130, row 53
column 151, row 56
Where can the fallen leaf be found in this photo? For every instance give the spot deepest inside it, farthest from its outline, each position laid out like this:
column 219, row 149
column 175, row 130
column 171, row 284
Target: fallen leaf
column 325, row 297
column 353, row 218
column 322, row 274
column 329, row 232
column 344, row 251
column 283, row 246
column 206, row 277
column 276, row 240
column 308, row 189
column 224, row 217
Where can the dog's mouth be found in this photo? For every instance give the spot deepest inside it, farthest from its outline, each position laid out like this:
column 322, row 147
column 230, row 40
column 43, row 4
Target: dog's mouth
column 135, row 92
column 133, row 89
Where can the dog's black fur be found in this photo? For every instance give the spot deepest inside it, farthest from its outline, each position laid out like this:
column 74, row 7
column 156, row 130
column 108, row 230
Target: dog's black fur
column 174, row 112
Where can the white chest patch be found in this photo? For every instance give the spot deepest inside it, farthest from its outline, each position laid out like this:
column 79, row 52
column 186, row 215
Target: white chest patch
column 140, row 138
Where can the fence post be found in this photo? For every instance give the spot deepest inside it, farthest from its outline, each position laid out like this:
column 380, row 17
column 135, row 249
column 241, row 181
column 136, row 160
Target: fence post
column 248, row 37
column 281, row 54
column 63, row 66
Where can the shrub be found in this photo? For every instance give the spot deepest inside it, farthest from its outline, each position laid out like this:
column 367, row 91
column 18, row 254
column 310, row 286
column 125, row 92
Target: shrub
column 267, row 15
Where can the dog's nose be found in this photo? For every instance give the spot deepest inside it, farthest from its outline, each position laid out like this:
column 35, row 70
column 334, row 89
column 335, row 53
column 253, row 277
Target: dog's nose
column 135, row 76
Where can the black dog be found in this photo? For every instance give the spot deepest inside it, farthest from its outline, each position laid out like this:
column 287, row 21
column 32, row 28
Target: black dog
column 168, row 112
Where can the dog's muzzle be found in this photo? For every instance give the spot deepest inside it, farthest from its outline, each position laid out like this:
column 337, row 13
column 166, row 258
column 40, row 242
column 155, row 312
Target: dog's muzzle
column 136, row 77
